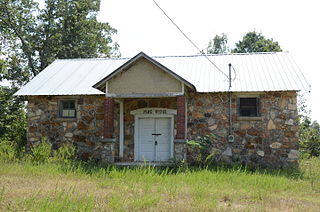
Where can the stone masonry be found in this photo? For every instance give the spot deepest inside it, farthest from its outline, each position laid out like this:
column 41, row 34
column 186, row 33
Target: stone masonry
column 270, row 140
column 267, row 141
column 85, row 131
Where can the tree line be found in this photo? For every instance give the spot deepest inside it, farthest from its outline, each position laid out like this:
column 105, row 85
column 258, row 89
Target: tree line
column 251, row 42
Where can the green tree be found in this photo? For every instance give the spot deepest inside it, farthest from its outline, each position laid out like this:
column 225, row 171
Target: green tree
column 256, row 42
column 309, row 134
column 218, row 45
column 32, row 37
column 12, row 117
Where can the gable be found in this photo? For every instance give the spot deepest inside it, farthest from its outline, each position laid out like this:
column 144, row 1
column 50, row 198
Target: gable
column 143, row 77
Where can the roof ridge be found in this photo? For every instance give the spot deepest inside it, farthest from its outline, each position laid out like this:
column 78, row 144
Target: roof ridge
column 164, row 56
column 97, row 58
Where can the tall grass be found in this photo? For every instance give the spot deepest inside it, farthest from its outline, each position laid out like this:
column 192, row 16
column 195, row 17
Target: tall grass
column 62, row 184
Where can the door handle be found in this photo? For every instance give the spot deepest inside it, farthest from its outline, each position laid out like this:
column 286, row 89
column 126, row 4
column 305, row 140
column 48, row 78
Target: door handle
column 156, row 143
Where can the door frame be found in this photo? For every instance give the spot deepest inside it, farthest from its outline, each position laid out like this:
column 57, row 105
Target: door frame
column 152, row 113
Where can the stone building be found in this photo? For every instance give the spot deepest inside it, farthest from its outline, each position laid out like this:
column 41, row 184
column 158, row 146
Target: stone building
column 146, row 108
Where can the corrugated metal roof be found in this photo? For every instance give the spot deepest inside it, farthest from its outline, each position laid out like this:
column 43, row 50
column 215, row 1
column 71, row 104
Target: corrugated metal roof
column 254, row 72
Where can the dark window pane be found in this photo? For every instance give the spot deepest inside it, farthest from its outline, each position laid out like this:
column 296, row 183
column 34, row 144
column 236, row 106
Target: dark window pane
column 65, row 104
column 71, row 106
column 67, row 109
column 248, row 107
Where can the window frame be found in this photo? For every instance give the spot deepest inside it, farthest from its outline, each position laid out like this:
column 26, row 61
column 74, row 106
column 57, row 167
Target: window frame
column 60, row 108
column 257, row 107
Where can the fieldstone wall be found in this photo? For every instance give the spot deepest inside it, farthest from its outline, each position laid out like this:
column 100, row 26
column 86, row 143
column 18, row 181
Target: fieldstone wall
column 268, row 141
column 85, row 131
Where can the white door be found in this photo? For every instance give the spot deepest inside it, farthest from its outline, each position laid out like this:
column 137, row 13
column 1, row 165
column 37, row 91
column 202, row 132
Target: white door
column 154, row 139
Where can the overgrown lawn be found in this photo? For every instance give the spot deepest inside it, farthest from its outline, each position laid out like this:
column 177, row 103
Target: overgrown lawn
column 25, row 186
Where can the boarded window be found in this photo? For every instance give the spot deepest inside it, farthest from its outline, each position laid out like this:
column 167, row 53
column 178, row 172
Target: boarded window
column 249, row 107
column 67, row 109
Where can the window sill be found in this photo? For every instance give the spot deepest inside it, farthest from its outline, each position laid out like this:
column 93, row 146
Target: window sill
column 243, row 118
column 66, row 119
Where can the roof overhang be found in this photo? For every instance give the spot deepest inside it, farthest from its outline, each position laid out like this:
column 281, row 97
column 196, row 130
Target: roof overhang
column 102, row 83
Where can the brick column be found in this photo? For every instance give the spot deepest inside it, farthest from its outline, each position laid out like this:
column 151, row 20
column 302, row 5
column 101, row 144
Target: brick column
column 181, row 117
column 108, row 117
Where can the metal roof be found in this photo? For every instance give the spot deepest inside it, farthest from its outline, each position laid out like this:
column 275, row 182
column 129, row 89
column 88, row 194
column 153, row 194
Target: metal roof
column 254, row 72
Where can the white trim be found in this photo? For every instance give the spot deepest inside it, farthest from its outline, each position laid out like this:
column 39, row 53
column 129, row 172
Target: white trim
column 139, row 114
column 144, row 95
column 182, row 88
column 107, row 88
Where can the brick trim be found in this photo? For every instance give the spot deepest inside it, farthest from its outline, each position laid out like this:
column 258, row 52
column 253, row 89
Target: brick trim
column 181, row 117
column 108, row 118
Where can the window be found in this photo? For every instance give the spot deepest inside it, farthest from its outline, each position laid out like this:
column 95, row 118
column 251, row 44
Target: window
column 67, row 109
column 249, row 107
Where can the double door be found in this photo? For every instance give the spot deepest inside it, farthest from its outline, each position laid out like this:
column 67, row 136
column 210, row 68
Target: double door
column 154, row 139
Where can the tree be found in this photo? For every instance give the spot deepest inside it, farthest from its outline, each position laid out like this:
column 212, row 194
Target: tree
column 256, row 42
column 12, row 117
column 218, row 45
column 32, row 37
column 309, row 133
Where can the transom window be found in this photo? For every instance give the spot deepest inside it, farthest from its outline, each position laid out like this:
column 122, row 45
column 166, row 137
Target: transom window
column 249, row 107
column 67, row 109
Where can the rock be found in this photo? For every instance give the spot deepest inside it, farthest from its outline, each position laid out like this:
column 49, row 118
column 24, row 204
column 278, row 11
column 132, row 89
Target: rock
column 68, row 135
column 244, row 141
column 253, row 132
column 289, row 122
column 213, row 127
column 52, row 103
column 34, row 118
column 244, row 125
column 82, row 126
column 293, row 154
column 210, row 110
column 227, row 152
column 99, row 116
column 271, row 125
column 275, row 145
column 289, row 133
column 249, row 146
column 197, row 115
column 272, row 115
column 283, row 103
column 260, row 153
column 38, row 112
column 210, row 121
column 292, row 107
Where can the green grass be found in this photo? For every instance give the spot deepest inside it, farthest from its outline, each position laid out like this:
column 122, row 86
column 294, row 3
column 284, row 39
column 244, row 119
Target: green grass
column 83, row 187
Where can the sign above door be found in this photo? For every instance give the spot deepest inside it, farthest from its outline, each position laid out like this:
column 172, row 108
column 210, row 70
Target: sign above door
column 154, row 111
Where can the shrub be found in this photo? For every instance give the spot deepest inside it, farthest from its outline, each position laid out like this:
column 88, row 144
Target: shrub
column 41, row 153
column 200, row 150
column 65, row 154
column 309, row 134
column 7, row 151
